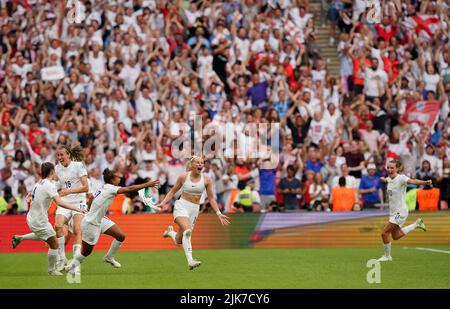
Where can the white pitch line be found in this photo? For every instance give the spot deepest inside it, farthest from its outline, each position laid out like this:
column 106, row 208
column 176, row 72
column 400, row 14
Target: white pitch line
column 433, row 250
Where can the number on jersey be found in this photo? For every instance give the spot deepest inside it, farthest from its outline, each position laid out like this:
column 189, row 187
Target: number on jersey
column 97, row 193
column 68, row 184
column 34, row 193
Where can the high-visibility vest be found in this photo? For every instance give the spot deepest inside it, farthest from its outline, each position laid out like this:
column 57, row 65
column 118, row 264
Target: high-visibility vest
column 343, row 199
column 411, row 199
column 4, row 204
column 357, row 67
column 245, row 197
column 428, row 199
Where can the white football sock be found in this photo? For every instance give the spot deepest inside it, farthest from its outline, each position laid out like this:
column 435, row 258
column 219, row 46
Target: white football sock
column 29, row 236
column 409, row 228
column 52, row 258
column 76, row 249
column 387, row 249
column 61, row 248
column 79, row 257
column 187, row 247
column 115, row 245
column 77, row 260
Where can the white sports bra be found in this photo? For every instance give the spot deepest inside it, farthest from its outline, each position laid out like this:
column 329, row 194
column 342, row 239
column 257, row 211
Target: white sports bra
column 194, row 188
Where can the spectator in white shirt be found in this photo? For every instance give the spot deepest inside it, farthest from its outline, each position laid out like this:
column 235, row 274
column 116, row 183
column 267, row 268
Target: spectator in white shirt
column 349, row 179
column 375, row 80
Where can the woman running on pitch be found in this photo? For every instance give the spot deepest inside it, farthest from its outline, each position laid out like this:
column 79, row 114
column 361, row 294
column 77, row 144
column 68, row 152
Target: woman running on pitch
column 92, row 222
column 107, row 227
column 73, row 181
column 398, row 212
column 186, row 209
column 37, row 218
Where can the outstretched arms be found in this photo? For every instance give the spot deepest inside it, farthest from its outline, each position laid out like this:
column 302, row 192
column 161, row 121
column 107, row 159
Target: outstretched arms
column 150, row 183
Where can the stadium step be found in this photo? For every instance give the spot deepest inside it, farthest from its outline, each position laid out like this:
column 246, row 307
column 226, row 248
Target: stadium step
column 329, row 53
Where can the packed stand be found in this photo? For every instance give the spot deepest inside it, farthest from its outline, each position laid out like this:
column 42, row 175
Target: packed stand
column 394, row 69
column 138, row 75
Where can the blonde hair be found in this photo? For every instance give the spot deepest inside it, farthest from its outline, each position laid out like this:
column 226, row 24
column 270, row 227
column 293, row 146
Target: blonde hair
column 189, row 163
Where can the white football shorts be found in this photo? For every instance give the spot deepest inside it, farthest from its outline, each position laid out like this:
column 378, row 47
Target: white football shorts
column 399, row 217
column 43, row 233
column 90, row 233
column 183, row 208
column 104, row 225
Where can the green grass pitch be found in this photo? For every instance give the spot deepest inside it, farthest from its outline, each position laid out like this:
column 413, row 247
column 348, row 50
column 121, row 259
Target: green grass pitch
column 238, row 269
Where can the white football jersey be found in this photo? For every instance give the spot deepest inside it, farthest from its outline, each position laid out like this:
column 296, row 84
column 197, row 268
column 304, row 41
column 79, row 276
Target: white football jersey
column 41, row 197
column 396, row 191
column 103, row 198
column 70, row 177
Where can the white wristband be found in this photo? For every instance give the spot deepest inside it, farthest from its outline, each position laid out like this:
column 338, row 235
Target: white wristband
column 218, row 213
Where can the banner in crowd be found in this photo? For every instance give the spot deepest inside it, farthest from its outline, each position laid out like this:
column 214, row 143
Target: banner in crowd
column 52, row 73
column 424, row 112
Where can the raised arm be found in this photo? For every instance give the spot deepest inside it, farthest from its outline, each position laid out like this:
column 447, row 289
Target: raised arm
column 150, row 183
column 420, row 182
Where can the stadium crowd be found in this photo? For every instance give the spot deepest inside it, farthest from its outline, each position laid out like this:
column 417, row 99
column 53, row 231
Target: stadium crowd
column 125, row 79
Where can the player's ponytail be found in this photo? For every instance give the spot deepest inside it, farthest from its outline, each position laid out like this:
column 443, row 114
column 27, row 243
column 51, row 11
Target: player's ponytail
column 108, row 175
column 76, row 154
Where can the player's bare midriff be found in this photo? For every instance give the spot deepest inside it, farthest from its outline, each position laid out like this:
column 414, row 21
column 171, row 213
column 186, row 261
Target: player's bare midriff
column 191, row 197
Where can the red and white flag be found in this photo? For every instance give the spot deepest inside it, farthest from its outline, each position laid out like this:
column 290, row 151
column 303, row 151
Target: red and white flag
column 424, row 25
column 425, row 112
column 396, row 150
column 292, row 31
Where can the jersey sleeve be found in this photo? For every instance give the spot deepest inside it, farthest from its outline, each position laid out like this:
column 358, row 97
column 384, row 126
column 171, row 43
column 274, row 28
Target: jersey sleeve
column 81, row 170
column 113, row 190
column 405, row 179
column 51, row 190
